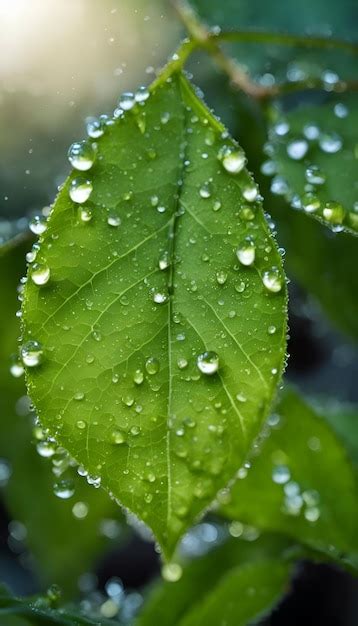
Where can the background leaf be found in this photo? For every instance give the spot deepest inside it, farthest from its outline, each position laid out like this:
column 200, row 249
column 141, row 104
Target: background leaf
column 314, row 155
column 301, row 483
column 122, row 332
column 211, row 576
column 63, row 546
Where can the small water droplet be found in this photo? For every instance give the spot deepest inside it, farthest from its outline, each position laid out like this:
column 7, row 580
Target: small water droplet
column 297, row 149
column 164, row 261
column 272, row 280
column 310, row 202
column 233, row 160
column 80, row 190
column 95, row 127
column 152, row 365
column 79, row 395
column 86, row 214
column 208, row 363
column 205, row 190
column 126, row 101
column 46, row 449
column 221, row 277
column 281, row 474
column 182, row 363
column 142, row 94
column 314, row 175
column 113, row 220
column 333, row 212
column 250, row 193
column 135, row 430
column 159, row 297
column 16, row 367
column 82, row 155
column 138, row 377
column 271, row 330
column 117, row 437
column 330, row 143
column 81, row 424
column 31, row 353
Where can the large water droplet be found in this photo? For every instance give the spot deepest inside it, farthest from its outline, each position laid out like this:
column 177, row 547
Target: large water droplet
column 208, row 362
column 80, row 190
column 142, row 94
column 272, row 280
column 46, row 449
column 281, row 474
column 38, row 224
column 246, row 252
column 330, row 143
column 82, row 155
column 333, row 212
column 172, row 572
column 113, row 220
column 64, row 489
column 233, row 160
column 40, row 274
column 31, row 353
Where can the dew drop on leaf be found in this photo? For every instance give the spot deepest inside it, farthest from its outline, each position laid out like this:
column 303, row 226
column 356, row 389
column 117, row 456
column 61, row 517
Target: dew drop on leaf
column 208, row 363
column 38, row 224
column 31, row 353
column 40, row 274
column 272, row 280
column 172, row 572
column 64, row 489
column 246, row 252
column 80, row 190
column 82, row 155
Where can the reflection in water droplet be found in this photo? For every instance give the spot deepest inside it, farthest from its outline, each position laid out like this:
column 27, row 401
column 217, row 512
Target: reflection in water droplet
column 80, row 190
column 40, row 274
column 330, row 143
column 64, row 489
column 297, row 149
column 142, row 94
column 233, row 160
column 82, row 155
column 114, row 220
column 152, row 365
column 221, row 277
column 281, row 474
column 85, row 214
column 31, row 353
column 272, row 280
column 333, row 212
column 117, row 437
column 205, row 190
column 126, row 101
column 314, row 175
column 38, row 224
column 208, row 362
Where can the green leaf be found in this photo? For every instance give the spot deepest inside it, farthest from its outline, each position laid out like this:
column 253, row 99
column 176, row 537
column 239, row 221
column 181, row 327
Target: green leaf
column 301, row 483
column 172, row 603
column 120, row 385
column 316, row 160
column 325, row 268
column 39, row 611
column 338, row 18
column 63, row 546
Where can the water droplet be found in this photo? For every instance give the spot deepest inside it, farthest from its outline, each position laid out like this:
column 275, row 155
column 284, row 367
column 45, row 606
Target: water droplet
column 80, row 510
column 159, row 297
column 31, row 353
column 135, row 431
column 117, row 437
column 164, row 261
column 333, row 212
column 38, row 224
column 281, row 128
column 340, row 110
column 95, row 127
column 250, row 193
column 80, row 190
column 240, row 287
column 208, row 363
column 281, row 474
column 142, row 94
column 64, row 489
column 217, row 205
column 172, row 572
column 165, row 117
column 233, row 160
column 241, row 398
column 310, row 202
column 81, row 424
column 114, row 220
column 272, row 280
column 297, row 149
column 271, row 330
column 330, row 143
column 205, row 190
column 246, row 252
column 315, row 176
column 221, row 277
column 126, row 101
column 46, row 449
column 138, row 377
column 86, row 214
column 40, row 274
column 82, row 155
column 312, row 514
column 79, row 395
column 152, row 365
column 182, row 363
column 128, row 399
column 16, row 367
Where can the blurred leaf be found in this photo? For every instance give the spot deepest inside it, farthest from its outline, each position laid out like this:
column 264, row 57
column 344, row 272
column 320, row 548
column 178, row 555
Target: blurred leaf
column 316, row 160
column 301, row 483
column 174, row 603
column 320, row 17
column 125, row 343
column 322, row 262
column 63, row 546
column 39, row 611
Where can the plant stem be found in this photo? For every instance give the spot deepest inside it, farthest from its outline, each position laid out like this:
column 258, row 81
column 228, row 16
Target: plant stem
column 202, row 37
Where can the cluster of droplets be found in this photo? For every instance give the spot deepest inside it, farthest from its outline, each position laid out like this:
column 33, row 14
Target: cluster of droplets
column 298, row 148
